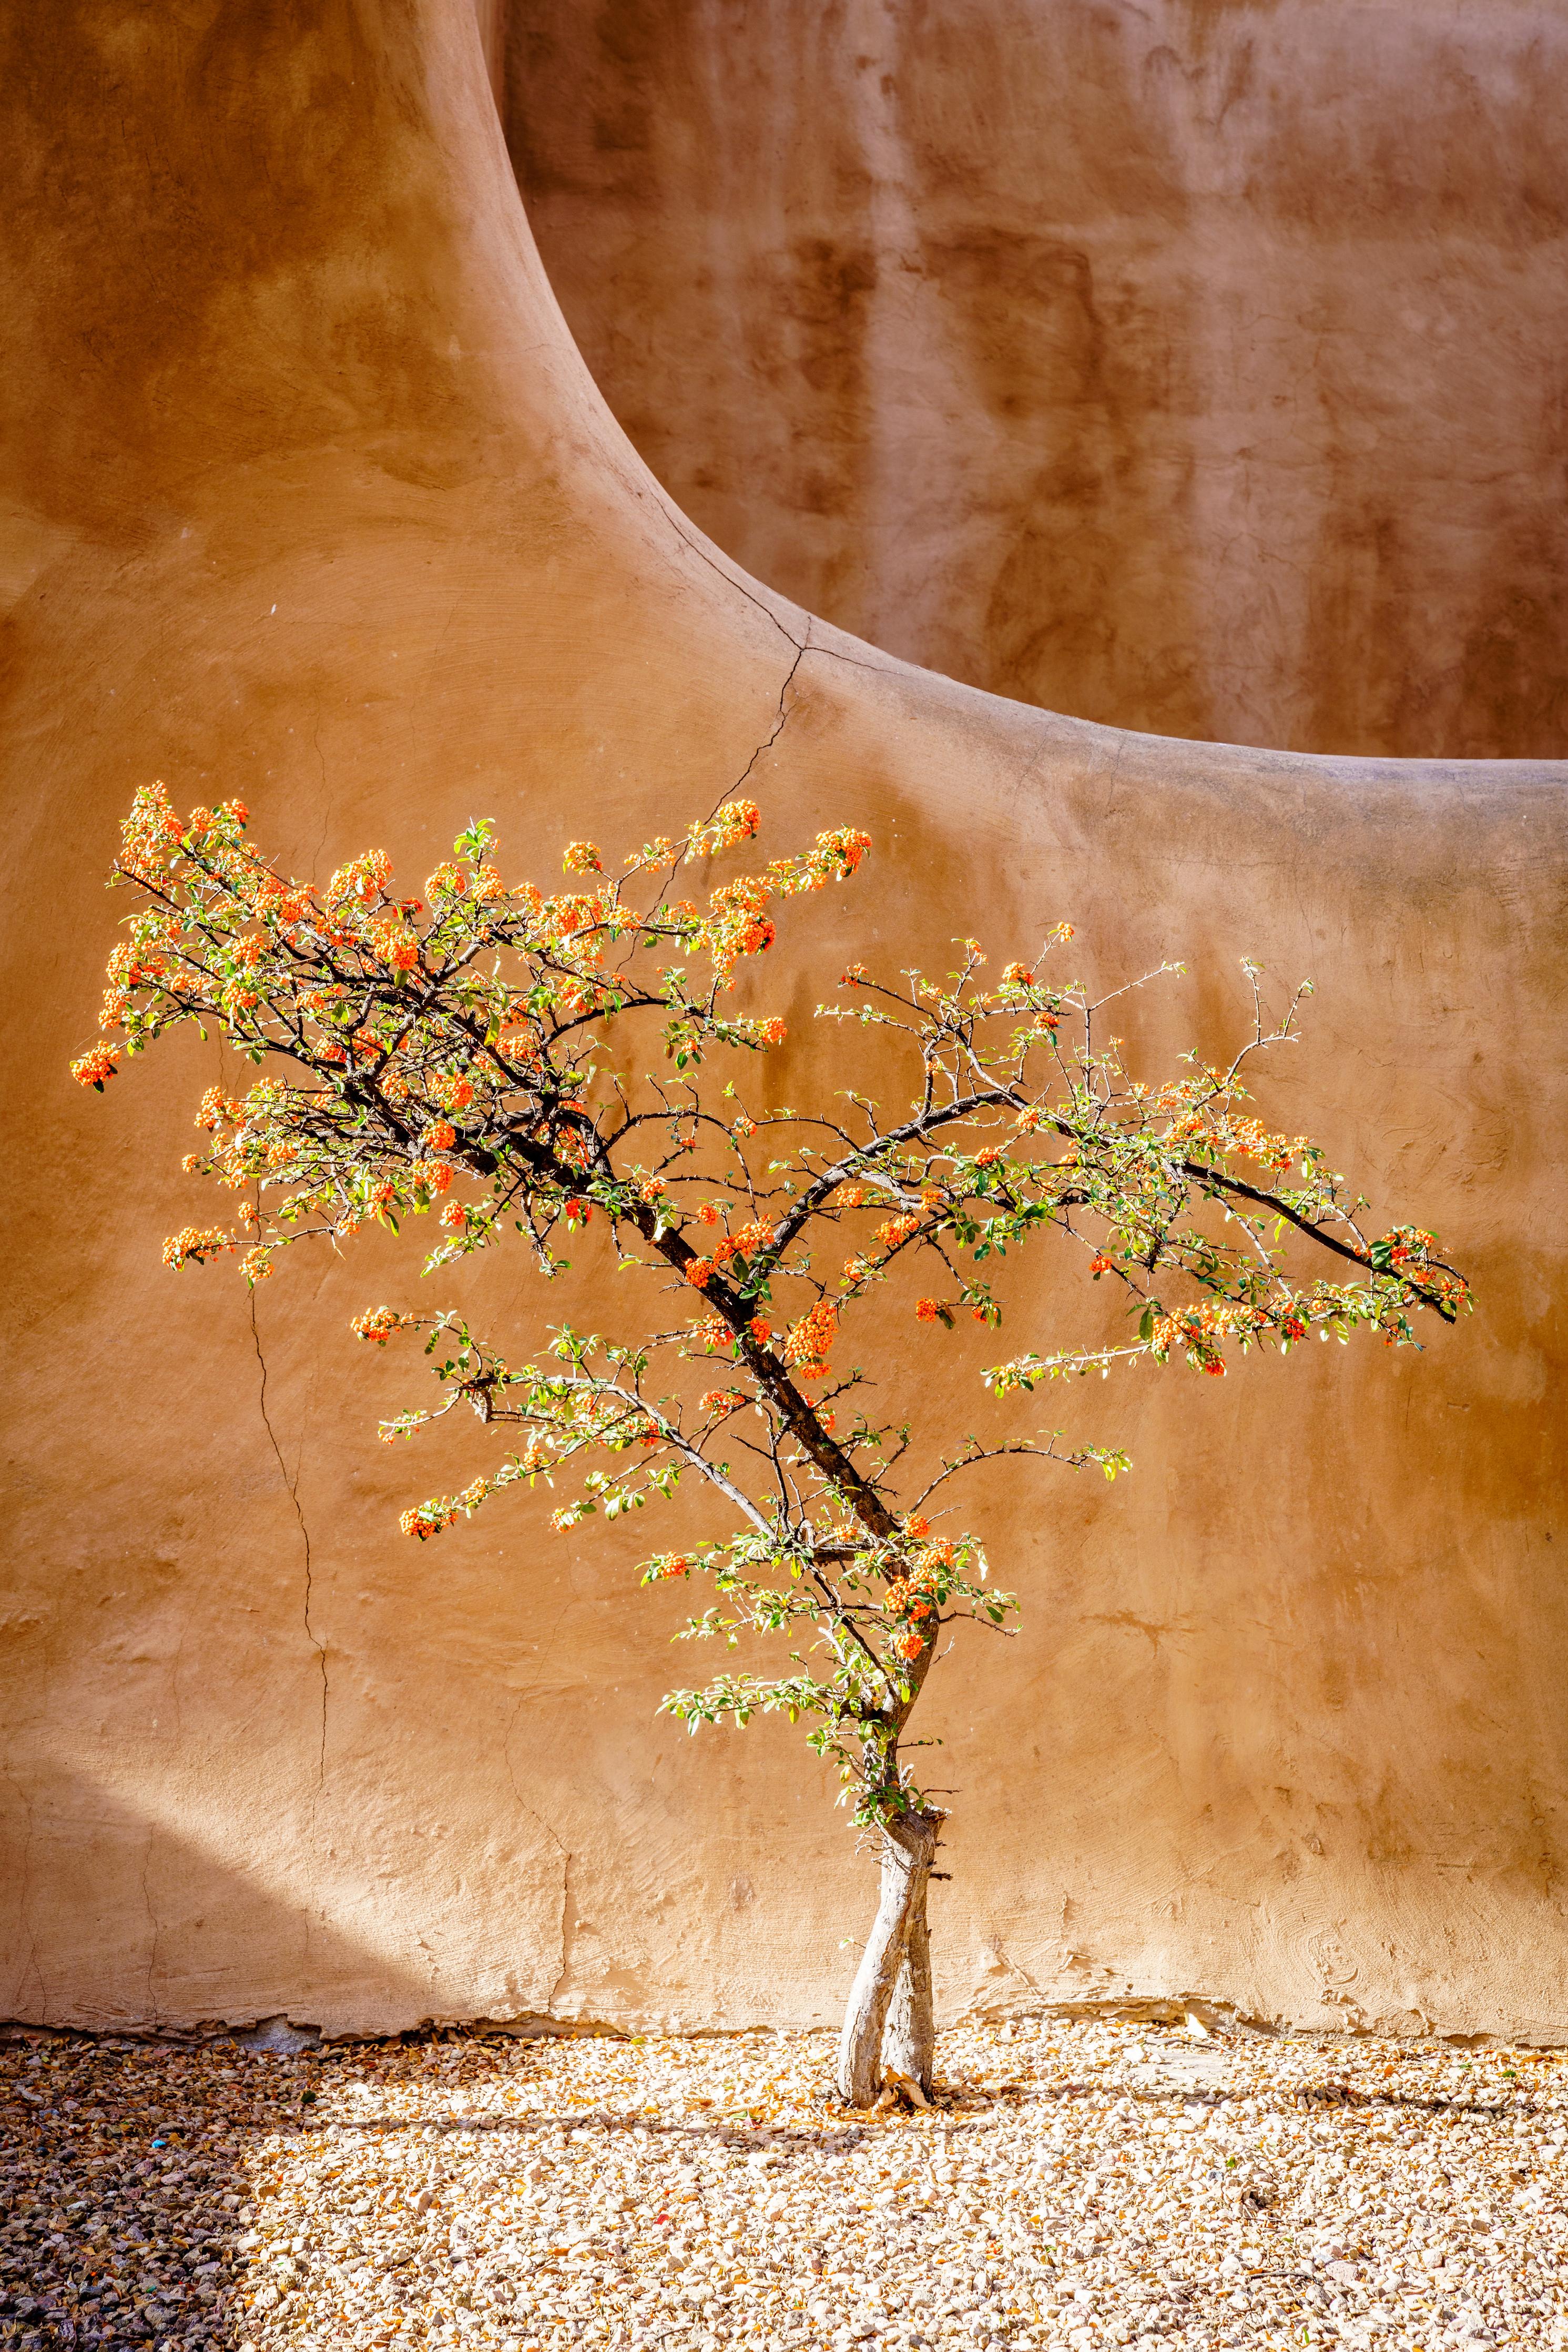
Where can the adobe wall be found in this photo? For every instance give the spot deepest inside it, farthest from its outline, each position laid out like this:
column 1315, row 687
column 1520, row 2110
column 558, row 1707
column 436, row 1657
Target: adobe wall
column 1195, row 366
column 309, row 496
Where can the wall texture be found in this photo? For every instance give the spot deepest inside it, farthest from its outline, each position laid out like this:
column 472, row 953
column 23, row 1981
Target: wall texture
column 308, row 494
column 1196, row 365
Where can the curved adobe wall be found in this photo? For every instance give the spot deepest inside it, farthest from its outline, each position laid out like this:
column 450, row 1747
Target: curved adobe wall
column 1194, row 366
column 310, row 495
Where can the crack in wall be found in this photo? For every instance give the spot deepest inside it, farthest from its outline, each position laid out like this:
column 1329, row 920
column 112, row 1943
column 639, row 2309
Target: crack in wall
column 325, row 813
column 565, row 1968
column 780, row 716
column 887, row 665
column 292, row 1485
column 25, row 1898
column 674, row 516
column 153, row 1923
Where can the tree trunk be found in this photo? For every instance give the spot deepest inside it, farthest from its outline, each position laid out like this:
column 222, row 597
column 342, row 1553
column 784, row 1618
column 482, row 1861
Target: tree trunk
column 889, row 2019
column 909, row 2036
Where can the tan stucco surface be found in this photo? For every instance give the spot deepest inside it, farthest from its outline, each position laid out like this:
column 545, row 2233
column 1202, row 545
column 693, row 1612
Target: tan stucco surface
column 1140, row 361
column 308, row 496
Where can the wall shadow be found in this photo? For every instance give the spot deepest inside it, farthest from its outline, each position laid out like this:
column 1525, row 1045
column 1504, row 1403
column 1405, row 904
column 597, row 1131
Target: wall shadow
column 126, row 2188
column 157, row 1910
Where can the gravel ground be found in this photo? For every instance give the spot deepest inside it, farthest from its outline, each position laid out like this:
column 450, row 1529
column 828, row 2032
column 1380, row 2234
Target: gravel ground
column 1078, row 2184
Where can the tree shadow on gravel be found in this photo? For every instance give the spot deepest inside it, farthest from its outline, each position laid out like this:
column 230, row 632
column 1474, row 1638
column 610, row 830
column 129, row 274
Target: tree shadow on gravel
column 124, row 2184
column 830, row 2140
column 1316, row 2098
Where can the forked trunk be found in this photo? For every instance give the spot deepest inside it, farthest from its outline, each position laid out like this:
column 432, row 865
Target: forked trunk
column 909, row 2036
column 888, row 2022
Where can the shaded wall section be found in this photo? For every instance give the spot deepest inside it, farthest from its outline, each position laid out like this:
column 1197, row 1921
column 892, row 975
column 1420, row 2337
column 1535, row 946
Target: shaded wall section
column 1196, row 367
column 308, row 495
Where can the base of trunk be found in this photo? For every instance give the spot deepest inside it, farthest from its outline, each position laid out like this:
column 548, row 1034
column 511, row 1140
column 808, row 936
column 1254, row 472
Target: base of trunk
column 889, row 2021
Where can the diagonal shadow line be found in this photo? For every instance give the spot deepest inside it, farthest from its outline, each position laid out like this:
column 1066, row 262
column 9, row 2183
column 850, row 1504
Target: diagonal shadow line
column 1211, row 2095
column 831, row 2140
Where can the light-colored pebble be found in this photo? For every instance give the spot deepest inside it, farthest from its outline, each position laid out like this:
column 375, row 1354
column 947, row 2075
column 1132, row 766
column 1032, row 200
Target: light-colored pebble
column 1082, row 2185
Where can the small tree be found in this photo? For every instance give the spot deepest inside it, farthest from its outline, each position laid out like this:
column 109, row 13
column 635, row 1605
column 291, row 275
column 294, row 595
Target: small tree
column 479, row 1057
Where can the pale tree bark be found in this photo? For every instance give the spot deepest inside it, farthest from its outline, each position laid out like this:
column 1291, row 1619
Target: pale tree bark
column 909, row 2036
column 888, row 2021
